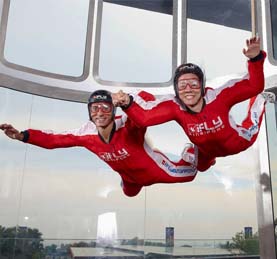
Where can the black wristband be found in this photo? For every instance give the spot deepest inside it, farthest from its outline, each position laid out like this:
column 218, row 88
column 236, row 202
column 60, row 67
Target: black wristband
column 258, row 57
column 25, row 135
column 129, row 104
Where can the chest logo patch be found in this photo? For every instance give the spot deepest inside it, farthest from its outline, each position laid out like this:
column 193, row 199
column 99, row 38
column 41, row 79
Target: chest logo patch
column 206, row 127
column 115, row 155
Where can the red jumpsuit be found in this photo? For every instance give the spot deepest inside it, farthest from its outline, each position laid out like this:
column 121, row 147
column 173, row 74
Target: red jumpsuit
column 127, row 153
column 213, row 130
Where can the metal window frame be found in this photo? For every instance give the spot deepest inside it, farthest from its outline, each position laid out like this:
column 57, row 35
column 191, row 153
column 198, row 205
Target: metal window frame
column 33, row 81
column 269, row 36
column 97, row 44
column 3, row 32
column 265, row 215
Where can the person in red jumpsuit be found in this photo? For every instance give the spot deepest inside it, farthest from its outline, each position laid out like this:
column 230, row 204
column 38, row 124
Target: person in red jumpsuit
column 203, row 112
column 117, row 141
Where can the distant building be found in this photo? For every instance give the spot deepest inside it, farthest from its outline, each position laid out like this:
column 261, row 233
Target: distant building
column 169, row 236
column 248, row 232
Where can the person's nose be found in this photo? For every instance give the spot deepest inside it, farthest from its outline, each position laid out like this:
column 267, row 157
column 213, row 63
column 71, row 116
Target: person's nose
column 97, row 112
column 100, row 112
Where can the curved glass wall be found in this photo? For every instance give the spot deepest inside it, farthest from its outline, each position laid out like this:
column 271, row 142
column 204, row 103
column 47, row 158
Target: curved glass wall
column 271, row 115
column 148, row 56
column 68, row 197
column 38, row 38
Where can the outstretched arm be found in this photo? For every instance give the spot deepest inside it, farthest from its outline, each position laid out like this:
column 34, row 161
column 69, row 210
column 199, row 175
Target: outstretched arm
column 11, row 132
column 256, row 56
column 145, row 109
column 50, row 139
column 241, row 89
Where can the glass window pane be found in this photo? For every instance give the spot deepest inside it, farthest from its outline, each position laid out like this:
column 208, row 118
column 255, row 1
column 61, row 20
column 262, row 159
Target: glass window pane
column 273, row 7
column 135, row 45
column 47, row 35
column 61, row 192
column 215, row 47
column 271, row 126
column 218, row 50
column 11, row 155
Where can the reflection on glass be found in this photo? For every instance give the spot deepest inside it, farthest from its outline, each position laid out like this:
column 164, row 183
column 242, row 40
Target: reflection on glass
column 12, row 155
column 107, row 229
column 135, row 45
column 64, row 191
column 218, row 50
column 271, row 125
column 48, row 35
column 58, row 192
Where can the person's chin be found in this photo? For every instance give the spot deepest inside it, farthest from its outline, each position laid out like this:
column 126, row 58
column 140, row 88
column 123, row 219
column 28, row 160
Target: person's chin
column 102, row 124
column 190, row 102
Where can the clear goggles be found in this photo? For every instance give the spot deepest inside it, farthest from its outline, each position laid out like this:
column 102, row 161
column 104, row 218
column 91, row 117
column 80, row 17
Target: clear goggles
column 103, row 107
column 192, row 83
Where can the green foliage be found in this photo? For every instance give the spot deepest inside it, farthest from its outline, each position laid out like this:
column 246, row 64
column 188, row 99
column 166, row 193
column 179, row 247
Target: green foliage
column 149, row 243
column 83, row 244
column 248, row 245
column 134, row 241
column 140, row 242
column 21, row 241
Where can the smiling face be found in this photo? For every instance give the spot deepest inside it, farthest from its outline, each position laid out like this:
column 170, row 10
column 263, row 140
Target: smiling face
column 101, row 114
column 189, row 90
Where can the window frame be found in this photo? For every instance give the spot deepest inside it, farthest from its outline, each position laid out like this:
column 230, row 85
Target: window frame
column 97, row 44
column 86, row 66
column 269, row 33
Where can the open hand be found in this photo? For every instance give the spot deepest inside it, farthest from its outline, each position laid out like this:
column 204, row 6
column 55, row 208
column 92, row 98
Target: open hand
column 253, row 47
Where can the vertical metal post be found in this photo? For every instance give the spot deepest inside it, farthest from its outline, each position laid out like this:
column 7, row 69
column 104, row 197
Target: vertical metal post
column 253, row 18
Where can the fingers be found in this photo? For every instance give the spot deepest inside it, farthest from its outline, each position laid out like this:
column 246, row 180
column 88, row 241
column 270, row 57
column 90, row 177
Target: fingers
column 255, row 39
column 252, row 47
column 120, row 98
column 11, row 132
column 2, row 126
column 8, row 129
column 115, row 99
column 6, row 126
column 251, row 41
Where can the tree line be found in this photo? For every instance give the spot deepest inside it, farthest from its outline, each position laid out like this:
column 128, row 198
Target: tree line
column 27, row 243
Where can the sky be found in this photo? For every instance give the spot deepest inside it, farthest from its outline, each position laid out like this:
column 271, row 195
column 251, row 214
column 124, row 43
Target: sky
column 64, row 192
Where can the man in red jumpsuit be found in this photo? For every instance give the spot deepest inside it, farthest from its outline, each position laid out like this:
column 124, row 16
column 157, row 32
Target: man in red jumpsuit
column 115, row 140
column 203, row 112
